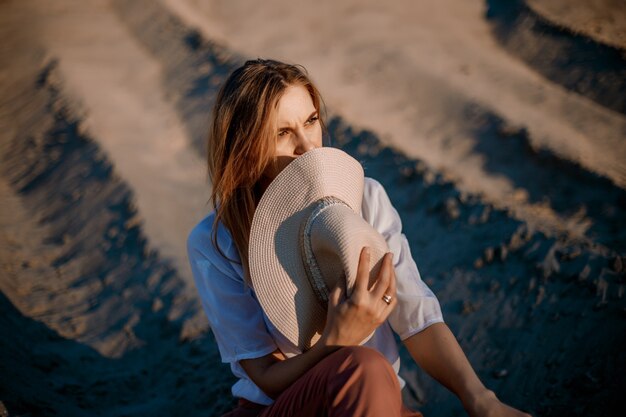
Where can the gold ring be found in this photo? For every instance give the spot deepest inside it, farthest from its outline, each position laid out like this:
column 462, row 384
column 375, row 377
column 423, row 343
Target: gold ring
column 387, row 299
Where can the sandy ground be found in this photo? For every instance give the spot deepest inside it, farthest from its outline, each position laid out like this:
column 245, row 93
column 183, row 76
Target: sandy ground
column 507, row 174
column 602, row 20
column 116, row 84
column 408, row 70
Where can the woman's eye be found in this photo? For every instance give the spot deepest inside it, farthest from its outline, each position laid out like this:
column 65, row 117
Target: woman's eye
column 312, row 120
column 283, row 132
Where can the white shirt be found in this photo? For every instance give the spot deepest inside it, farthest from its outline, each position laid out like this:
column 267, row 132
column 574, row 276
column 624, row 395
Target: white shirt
column 243, row 331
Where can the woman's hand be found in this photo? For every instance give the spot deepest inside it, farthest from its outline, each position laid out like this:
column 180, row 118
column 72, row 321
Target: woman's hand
column 487, row 404
column 349, row 321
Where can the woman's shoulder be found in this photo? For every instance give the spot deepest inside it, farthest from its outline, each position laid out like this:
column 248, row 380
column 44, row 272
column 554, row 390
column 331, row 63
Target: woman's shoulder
column 377, row 208
column 373, row 195
column 200, row 239
column 372, row 187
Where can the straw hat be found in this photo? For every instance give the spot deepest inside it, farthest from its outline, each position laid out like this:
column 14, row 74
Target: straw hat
column 306, row 237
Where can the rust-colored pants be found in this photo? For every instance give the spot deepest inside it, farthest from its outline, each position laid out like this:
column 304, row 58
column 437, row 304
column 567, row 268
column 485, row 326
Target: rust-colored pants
column 354, row 381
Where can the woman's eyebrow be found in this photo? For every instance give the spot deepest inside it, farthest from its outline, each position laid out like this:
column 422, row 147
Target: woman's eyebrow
column 310, row 115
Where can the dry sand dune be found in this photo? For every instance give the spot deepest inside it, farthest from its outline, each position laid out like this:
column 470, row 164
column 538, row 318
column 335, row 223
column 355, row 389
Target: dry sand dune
column 510, row 188
column 116, row 85
column 601, row 20
column 410, row 70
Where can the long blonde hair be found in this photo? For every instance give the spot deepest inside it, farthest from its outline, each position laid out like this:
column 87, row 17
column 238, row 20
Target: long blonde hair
column 242, row 141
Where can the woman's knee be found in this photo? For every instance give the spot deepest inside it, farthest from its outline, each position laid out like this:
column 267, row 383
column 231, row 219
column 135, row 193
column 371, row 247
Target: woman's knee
column 361, row 379
column 368, row 362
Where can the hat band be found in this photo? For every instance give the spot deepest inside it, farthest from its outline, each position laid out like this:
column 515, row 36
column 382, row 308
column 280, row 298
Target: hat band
column 313, row 272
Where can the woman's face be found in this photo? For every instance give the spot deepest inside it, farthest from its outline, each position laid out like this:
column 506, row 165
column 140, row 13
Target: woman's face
column 299, row 128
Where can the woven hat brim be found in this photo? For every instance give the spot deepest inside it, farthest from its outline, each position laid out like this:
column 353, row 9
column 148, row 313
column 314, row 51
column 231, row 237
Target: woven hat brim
column 276, row 268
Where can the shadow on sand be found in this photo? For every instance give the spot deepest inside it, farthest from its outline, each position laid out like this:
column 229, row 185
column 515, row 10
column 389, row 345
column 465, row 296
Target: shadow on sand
column 574, row 61
column 101, row 328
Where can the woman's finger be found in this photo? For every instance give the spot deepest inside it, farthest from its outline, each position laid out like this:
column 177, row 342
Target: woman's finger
column 382, row 281
column 335, row 296
column 362, row 272
column 391, row 290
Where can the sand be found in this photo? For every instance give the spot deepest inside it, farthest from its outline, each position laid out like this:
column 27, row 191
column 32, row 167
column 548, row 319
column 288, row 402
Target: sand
column 509, row 184
column 601, row 20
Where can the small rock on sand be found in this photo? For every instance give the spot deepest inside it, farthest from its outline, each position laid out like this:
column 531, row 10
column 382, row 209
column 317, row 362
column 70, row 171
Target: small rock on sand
column 500, row 373
column 452, row 208
column 582, row 276
column 618, row 265
column 489, row 253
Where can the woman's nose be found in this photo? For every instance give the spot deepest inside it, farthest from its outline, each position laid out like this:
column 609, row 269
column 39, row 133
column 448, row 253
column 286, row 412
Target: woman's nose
column 304, row 143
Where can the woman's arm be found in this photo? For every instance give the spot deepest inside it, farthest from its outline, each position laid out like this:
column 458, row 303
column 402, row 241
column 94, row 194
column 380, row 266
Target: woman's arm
column 273, row 373
column 348, row 322
column 437, row 351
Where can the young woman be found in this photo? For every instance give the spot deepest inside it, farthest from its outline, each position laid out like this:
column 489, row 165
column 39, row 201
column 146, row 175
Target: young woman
column 267, row 114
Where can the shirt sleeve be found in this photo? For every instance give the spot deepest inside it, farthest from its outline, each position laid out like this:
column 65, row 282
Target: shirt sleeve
column 234, row 314
column 417, row 306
